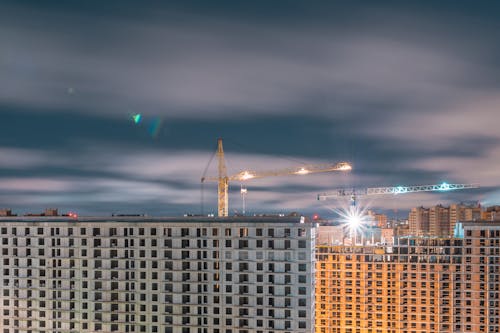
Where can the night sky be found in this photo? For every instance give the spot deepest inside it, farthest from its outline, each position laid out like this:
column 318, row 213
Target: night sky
column 408, row 92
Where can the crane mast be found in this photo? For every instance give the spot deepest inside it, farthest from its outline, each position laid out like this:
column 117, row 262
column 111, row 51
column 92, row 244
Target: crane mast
column 223, row 179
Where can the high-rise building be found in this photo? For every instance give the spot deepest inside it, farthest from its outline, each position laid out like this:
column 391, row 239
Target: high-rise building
column 418, row 221
column 166, row 275
column 416, row 285
column 462, row 212
column 439, row 221
column 457, row 213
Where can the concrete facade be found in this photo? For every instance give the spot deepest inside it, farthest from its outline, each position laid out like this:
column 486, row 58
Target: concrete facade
column 140, row 274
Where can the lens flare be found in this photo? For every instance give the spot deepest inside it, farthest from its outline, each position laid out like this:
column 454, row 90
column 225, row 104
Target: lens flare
column 355, row 219
column 136, row 118
column 155, row 127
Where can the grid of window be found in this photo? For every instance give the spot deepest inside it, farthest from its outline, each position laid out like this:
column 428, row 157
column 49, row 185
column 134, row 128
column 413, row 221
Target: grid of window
column 417, row 285
column 157, row 277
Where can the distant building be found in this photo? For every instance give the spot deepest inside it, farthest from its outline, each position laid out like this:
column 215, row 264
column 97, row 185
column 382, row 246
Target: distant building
column 418, row 221
column 387, row 235
column 6, row 212
column 165, row 275
column 401, row 230
column 47, row 212
column 379, row 220
column 491, row 214
column 461, row 212
column 418, row 284
column 439, row 221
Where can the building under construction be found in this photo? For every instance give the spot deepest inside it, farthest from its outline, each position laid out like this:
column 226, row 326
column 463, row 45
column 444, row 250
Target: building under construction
column 416, row 285
column 68, row 274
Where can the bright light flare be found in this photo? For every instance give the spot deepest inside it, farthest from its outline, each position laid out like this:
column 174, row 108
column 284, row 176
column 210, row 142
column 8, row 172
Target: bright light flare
column 246, row 175
column 354, row 218
column 302, row 171
column 444, row 186
column 345, row 167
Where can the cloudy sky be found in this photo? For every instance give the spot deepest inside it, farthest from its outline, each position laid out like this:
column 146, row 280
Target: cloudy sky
column 408, row 93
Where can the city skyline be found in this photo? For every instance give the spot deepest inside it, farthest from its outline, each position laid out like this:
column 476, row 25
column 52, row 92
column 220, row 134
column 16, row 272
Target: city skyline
column 407, row 93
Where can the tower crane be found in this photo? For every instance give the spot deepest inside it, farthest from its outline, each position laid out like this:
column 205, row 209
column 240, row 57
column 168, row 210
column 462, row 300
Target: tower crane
column 223, row 179
column 353, row 193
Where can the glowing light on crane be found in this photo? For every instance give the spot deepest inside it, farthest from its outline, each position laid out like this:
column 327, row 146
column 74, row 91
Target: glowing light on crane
column 345, row 167
column 444, row 187
column 246, row 175
column 302, row 171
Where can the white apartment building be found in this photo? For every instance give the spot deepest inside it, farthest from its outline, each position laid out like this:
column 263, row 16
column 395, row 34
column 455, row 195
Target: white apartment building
column 166, row 275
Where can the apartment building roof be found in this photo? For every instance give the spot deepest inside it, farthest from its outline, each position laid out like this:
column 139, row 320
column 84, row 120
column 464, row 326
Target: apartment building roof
column 153, row 219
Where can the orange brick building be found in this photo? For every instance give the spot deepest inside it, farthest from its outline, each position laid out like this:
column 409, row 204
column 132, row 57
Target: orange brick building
column 417, row 285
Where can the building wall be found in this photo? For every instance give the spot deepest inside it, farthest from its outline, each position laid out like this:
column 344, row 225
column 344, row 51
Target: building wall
column 163, row 276
column 418, row 221
column 439, row 221
column 417, row 285
column 387, row 235
column 330, row 235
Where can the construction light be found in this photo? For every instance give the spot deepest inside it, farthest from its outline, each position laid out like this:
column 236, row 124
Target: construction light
column 246, row 175
column 444, row 186
column 345, row 167
column 302, row 171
